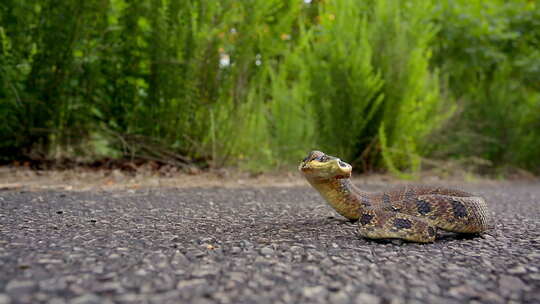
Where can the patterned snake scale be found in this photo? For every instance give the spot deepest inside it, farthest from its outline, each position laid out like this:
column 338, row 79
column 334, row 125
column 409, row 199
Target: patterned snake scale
column 413, row 213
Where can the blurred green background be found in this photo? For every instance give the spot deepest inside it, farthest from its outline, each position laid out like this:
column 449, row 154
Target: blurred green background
column 384, row 84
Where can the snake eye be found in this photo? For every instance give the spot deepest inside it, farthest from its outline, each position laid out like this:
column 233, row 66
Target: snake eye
column 322, row 158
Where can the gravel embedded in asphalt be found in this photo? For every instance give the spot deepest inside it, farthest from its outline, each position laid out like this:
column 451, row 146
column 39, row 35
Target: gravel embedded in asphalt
column 252, row 245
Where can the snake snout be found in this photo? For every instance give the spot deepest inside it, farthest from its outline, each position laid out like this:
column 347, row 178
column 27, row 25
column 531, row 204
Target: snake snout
column 343, row 165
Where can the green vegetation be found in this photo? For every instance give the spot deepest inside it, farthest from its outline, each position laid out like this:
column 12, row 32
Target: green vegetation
column 259, row 83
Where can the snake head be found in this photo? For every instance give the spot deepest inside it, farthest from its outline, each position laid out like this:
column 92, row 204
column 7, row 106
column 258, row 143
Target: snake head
column 321, row 166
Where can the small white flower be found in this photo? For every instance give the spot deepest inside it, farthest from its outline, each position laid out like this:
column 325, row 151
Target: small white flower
column 224, row 60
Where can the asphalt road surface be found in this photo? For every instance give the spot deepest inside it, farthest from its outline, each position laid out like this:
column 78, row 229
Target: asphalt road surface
column 252, row 245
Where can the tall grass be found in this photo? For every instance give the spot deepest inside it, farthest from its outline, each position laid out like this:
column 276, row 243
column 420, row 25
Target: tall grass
column 347, row 88
column 402, row 34
column 259, row 83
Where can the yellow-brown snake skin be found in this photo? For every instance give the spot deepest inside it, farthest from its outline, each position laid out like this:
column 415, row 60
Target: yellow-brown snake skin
column 412, row 213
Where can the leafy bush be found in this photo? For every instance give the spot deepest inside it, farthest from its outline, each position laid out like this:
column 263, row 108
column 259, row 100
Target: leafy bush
column 402, row 34
column 489, row 52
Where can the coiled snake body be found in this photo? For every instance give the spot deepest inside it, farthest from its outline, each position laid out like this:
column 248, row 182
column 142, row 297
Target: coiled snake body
column 412, row 213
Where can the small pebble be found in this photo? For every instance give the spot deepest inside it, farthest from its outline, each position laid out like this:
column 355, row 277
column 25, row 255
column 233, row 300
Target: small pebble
column 87, row 299
column 517, row 270
column 267, row 251
column 17, row 288
column 5, row 299
column 366, row 298
column 316, row 292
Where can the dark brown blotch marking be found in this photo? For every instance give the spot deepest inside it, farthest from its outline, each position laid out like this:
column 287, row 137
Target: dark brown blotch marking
column 423, row 207
column 402, row 223
column 459, row 209
column 431, row 231
column 366, row 218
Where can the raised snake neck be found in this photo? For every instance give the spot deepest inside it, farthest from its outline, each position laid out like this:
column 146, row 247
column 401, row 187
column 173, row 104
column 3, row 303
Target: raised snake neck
column 349, row 201
column 342, row 195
